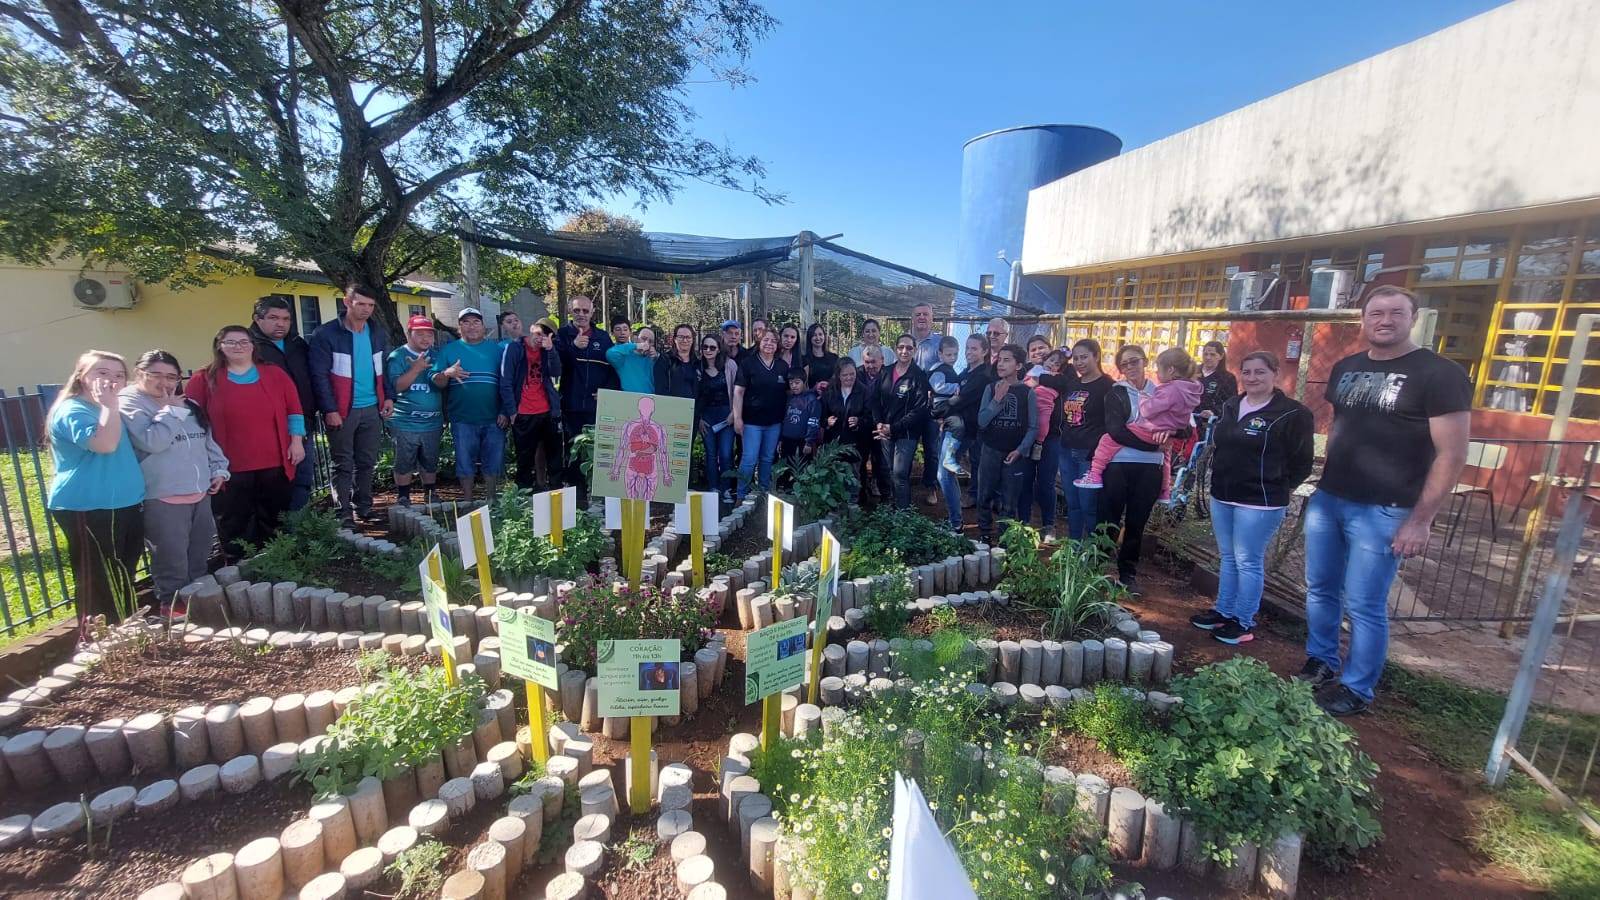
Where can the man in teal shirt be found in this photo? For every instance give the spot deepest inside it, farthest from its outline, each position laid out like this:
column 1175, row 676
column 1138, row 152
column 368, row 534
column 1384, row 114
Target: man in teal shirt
column 418, row 419
column 469, row 371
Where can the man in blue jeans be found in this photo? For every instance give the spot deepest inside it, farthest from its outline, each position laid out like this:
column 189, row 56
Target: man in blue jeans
column 469, row 372
column 926, row 356
column 1396, row 448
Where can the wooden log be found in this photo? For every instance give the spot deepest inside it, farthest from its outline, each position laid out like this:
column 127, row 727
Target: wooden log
column 763, row 841
column 148, row 745
column 460, row 758
column 1241, row 873
column 210, row 878
column 672, row 823
column 489, row 860
column 1125, row 823
column 429, row 817
column 1115, row 659
column 369, row 811
column 510, row 833
column 327, row 886
column 111, row 805
column 240, row 774
column 430, row 777
column 693, row 872
column 585, row 858
column 1192, row 853
column 258, row 868
column 319, row 712
column 362, row 868
column 687, row 844
column 64, row 747
column 257, row 720
column 1278, row 869
column 567, row 886
column 200, row 782
column 302, row 851
column 108, row 749
column 1162, row 836
column 396, row 841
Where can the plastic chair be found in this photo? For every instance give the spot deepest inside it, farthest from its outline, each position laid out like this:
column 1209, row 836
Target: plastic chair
column 1566, row 482
column 1487, row 457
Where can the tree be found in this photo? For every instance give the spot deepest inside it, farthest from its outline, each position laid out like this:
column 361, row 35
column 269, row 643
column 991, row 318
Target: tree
column 340, row 130
column 628, row 233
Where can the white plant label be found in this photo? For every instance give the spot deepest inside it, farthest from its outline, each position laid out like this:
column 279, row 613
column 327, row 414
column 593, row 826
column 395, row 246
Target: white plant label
column 708, row 513
column 567, row 497
column 470, row 551
column 773, row 506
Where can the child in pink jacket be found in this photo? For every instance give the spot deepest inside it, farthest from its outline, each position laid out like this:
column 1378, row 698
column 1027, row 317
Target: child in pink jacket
column 1168, row 409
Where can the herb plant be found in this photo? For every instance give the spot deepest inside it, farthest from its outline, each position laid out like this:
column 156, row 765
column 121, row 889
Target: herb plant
column 1121, row 725
column 1250, row 756
column 518, row 552
column 300, row 551
column 885, row 611
column 825, row 483
column 917, row 540
column 1070, row 587
column 419, row 870
column 594, row 613
column 405, row 722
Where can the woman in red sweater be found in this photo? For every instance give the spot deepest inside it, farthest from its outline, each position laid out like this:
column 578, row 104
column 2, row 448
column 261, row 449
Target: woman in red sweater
column 257, row 420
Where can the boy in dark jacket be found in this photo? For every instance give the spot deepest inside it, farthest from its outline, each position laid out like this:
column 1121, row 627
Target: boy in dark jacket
column 802, row 419
column 277, row 344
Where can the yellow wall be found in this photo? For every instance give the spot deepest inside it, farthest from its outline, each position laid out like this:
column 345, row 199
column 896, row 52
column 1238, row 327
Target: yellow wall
column 42, row 330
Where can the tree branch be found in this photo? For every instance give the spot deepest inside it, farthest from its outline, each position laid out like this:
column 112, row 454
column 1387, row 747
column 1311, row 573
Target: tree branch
column 19, row 14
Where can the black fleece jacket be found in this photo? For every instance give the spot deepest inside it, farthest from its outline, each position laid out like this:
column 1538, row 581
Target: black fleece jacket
column 1261, row 460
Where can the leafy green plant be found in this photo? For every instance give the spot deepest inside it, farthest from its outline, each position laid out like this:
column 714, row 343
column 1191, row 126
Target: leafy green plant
column 982, row 784
column 885, row 610
column 407, row 721
column 1121, row 725
column 371, row 664
column 827, row 482
column 718, row 562
column 1070, row 587
column 594, row 613
column 518, row 552
column 583, row 451
column 1250, row 756
column 637, row 851
column 916, row 540
column 859, row 562
column 532, row 774
column 419, row 870
column 301, row 550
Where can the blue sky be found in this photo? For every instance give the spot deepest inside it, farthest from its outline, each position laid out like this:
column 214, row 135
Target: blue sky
column 860, row 109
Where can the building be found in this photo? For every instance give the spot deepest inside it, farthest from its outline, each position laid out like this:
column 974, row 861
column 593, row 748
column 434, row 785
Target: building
column 48, row 322
column 1462, row 165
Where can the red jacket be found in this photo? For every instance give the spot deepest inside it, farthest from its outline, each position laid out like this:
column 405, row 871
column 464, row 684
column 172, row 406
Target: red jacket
column 267, row 427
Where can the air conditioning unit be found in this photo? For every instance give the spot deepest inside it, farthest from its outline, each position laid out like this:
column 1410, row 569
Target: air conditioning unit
column 1330, row 287
column 1251, row 291
column 103, row 290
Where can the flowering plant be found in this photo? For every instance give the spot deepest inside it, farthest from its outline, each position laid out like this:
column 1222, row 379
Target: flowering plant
column 620, row 612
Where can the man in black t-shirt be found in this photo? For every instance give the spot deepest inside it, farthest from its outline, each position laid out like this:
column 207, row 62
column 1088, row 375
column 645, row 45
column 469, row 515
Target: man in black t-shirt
column 1398, row 441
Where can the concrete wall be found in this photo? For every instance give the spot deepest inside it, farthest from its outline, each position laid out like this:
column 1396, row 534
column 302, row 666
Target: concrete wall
column 997, row 171
column 42, row 331
column 1499, row 112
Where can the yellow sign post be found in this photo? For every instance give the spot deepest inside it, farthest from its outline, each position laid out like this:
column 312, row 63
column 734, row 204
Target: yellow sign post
column 437, row 606
column 827, row 584
column 476, row 535
column 777, row 510
column 697, row 542
column 639, row 751
column 633, row 519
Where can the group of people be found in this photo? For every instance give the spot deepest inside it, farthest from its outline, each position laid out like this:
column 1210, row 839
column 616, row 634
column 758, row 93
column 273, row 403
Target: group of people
column 140, row 462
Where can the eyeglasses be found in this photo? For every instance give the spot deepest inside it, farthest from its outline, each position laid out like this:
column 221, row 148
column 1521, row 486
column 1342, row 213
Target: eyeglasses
column 710, row 348
column 237, row 343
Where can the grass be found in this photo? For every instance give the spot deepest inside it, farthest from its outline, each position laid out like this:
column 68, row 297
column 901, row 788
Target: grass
column 1520, row 827
column 20, row 571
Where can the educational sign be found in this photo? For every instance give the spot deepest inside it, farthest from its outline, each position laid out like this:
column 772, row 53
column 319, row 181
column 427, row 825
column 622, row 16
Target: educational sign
column 470, row 551
column 638, row 678
column 527, row 645
column 642, row 446
column 438, row 609
column 708, row 513
column 774, row 659
column 773, row 506
column 566, row 498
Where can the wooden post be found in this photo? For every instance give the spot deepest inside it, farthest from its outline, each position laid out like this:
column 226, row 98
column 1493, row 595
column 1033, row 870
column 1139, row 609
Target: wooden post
column 697, row 541
column 633, row 516
column 538, row 740
column 556, row 525
column 808, row 300
column 639, row 740
column 561, row 289
column 777, row 544
column 469, row 265
column 485, row 584
column 819, row 634
column 771, row 720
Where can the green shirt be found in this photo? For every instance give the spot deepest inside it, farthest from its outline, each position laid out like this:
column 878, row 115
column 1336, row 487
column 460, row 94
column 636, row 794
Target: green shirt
column 475, row 401
column 419, row 407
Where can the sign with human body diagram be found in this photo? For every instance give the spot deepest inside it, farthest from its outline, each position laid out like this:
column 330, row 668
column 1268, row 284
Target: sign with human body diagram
column 643, row 444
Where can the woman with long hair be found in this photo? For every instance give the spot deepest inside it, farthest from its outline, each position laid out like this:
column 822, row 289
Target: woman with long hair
column 1083, row 420
column 257, row 421
column 713, row 412
column 183, row 467
column 677, row 371
column 847, row 415
column 97, row 488
column 820, row 362
column 759, row 398
column 1217, row 384
column 1133, row 479
column 789, row 346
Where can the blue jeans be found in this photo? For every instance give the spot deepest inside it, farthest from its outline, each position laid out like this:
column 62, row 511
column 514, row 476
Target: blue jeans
column 905, row 449
column 760, row 445
column 932, row 441
column 480, row 450
column 304, row 474
column 719, row 451
column 1349, row 568
column 998, row 483
column 1242, row 537
column 949, row 464
column 1083, row 506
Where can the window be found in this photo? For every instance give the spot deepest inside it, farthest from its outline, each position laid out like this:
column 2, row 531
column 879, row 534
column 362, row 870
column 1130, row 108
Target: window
column 310, row 314
column 416, row 309
column 1552, row 278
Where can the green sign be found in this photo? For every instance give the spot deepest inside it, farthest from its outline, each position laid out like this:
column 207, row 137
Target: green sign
column 775, row 659
column 642, row 446
column 638, row 678
column 527, row 645
column 438, row 609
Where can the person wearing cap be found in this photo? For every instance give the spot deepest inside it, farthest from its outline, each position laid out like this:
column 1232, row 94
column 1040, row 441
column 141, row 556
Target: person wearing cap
column 418, row 419
column 584, row 371
column 347, row 358
column 528, row 372
column 469, row 371
column 732, row 340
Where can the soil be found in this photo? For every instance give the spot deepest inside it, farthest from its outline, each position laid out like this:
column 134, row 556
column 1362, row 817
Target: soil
column 1000, row 623
column 166, row 677
column 1082, row 756
column 140, row 853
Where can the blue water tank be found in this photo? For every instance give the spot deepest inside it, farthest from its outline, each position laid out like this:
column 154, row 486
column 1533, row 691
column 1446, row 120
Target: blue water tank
column 997, row 171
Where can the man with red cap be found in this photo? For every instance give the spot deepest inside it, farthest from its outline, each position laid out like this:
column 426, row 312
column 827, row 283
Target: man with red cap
column 418, row 419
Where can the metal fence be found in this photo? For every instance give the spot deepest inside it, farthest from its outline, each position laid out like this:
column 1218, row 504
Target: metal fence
column 35, row 578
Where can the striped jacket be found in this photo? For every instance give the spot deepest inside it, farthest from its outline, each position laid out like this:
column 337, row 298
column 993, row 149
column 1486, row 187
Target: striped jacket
column 331, row 365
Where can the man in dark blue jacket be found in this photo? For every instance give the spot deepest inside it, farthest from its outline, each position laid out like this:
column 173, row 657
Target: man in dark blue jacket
column 582, row 348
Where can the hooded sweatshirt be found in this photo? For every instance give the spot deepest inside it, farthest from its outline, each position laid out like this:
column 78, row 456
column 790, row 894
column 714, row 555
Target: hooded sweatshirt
column 175, row 451
column 802, row 418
